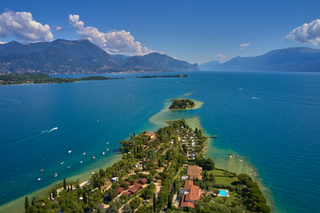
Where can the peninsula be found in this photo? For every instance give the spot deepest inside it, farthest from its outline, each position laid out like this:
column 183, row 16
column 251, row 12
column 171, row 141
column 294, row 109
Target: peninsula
column 39, row 78
column 182, row 104
column 163, row 76
column 159, row 171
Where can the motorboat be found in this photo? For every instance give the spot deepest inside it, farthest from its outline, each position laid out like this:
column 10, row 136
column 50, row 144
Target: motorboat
column 84, row 153
column 62, row 162
column 107, row 149
column 80, row 161
column 93, row 157
column 41, row 170
column 69, row 151
column 39, row 179
column 55, row 175
column 103, row 153
column 68, row 167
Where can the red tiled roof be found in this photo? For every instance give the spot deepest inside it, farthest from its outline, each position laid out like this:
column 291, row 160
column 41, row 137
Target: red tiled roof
column 186, row 204
column 128, row 183
column 135, row 188
column 188, row 184
column 194, row 194
column 143, row 180
column 120, row 190
column 126, row 193
column 194, row 172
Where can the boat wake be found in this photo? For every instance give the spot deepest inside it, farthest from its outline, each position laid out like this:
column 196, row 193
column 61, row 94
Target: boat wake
column 255, row 98
column 50, row 130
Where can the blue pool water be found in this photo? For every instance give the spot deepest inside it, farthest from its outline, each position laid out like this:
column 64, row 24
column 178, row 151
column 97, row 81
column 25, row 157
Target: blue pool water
column 223, row 193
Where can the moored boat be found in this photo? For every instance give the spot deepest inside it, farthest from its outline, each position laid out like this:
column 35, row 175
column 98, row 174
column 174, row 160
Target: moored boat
column 69, row 151
column 93, row 157
column 103, row 153
column 39, row 179
column 84, row 153
column 41, row 170
column 62, row 162
column 55, row 175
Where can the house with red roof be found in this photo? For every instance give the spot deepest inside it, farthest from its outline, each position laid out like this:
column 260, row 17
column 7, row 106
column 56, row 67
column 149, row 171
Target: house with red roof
column 190, row 193
column 135, row 188
column 143, row 181
column 121, row 189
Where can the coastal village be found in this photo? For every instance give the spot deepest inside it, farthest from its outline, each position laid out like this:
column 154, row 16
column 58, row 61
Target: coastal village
column 162, row 171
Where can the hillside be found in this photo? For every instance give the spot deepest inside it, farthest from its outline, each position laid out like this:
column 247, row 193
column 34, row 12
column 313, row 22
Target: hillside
column 298, row 59
column 81, row 56
column 209, row 65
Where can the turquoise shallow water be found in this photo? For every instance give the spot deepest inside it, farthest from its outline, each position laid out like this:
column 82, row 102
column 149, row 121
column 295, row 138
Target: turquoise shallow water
column 270, row 119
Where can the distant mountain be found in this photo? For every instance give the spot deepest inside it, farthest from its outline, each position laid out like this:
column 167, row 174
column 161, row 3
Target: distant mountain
column 81, row 56
column 209, row 65
column 168, row 63
column 120, row 58
column 138, row 64
column 298, row 59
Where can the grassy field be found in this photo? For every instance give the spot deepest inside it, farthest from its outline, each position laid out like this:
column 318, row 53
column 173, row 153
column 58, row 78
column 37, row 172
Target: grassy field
column 216, row 172
column 226, row 180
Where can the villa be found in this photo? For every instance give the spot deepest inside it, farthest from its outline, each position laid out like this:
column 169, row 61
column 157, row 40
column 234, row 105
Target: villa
column 190, row 193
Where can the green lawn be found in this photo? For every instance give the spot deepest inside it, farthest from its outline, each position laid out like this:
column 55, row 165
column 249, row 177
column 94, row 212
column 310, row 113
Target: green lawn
column 226, row 180
column 216, row 172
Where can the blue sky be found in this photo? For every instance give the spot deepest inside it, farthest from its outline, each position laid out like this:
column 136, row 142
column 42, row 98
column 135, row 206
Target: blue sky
column 194, row 31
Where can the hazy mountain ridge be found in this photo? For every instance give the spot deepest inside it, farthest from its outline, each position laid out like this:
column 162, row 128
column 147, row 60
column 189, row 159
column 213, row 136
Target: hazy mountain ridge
column 80, row 56
column 297, row 59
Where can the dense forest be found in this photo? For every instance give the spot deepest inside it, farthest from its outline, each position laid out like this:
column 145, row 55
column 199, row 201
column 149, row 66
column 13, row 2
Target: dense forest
column 181, row 104
column 40, row 78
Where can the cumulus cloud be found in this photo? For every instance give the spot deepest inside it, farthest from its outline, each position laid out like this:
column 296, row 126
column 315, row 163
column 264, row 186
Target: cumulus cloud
column 243, row 45
column 56, row 28
column 221, row 56
column 22, row 26
column 113, row 41
column 2, row 42
column 307, row 33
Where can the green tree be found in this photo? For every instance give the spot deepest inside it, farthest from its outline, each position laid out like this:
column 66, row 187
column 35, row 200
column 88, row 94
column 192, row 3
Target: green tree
column 33, row 202
column 54, row 193
column 113, row 209
column 262, row 207
column 126, row 209
column 154, row 202
column 64, row 183
column 170, row 201
column 135, row 203
column 26, row 203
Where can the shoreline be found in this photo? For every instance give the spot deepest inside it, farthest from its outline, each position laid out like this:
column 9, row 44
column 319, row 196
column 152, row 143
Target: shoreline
column 17, row 205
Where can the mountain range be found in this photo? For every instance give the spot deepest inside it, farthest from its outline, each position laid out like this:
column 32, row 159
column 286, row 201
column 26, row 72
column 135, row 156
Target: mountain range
column 297, row 59
column 80, row 56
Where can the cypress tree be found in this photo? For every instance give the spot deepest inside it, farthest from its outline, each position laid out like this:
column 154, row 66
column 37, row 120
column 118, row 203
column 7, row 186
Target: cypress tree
column 154, row 202
column 50, row 197
column 71, row 186
column 85, row 198
column 134, row 151
column 33, row 202
column 26, row 203
column 159, row 163
column 55, row 193
column 64, row 183
column 169, row 201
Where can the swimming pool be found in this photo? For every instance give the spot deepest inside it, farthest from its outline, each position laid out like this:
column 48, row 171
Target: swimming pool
column 223, row 193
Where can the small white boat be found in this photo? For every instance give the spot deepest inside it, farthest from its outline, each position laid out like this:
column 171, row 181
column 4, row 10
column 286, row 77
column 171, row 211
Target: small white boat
column 69, row 151
column 80, row 161
column 68, row 167
column 84, row 153
column 107, row 143
column 62, row 162
column 103, row 153
column 93, row 157
column 107, row 149
column 39, row 179
column 55, row 175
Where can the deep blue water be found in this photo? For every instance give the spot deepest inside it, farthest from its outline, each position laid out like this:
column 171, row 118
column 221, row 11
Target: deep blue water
column 272, row 118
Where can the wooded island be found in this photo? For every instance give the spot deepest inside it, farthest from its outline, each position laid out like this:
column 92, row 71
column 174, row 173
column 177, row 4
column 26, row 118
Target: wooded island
column 182, row 104
column 40, row 78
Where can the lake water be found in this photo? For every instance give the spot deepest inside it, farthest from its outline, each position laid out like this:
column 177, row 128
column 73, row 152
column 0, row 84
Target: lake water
column 268, row 121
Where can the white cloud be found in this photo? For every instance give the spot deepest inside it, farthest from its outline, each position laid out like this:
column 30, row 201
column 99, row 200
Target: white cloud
column 113, row 41
column 22, row 26
column 243, row 45
column 307, row 33
column 2, row 42
column 221, row 56
column 56, row 28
